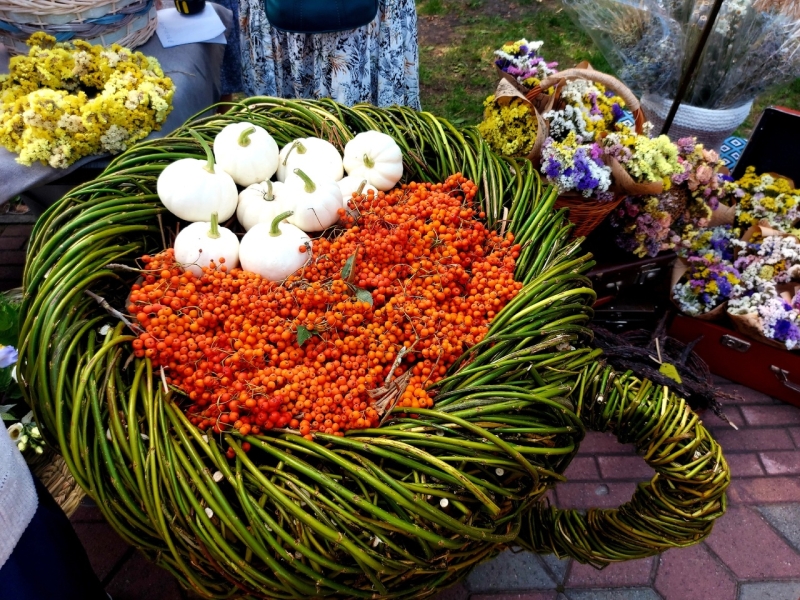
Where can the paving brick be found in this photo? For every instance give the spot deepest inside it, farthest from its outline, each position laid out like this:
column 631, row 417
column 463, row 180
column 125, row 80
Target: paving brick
column 692, row 572
column 795, row 433
column 10, row 271
column 785, row 462
column 764, row 490
column 456, row 592
column 17, row 230
column 786, row 519
column 745, row 395
column 744, row 465
column 603, row 443
column 588, row 495
column 771, row 415
column 713, row 422
column 12, row 243
column 771, row 590
column 509, row 571
column 622, row 594
column 582, row 468
column 523, row 596
column 630, row 573
column 103, row 546
column 87, row 514
column 557, row 566
column 139, row 579
column 624, row 467
column 754, row 439
column 761, row 554
column 13, row 257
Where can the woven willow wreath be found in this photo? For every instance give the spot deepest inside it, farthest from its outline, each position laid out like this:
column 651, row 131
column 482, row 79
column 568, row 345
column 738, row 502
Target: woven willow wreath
column 399, row 512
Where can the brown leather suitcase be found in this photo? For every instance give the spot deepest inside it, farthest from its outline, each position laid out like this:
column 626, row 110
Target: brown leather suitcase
column 744, row 360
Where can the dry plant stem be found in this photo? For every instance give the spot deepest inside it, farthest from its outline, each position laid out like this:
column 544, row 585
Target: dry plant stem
column 114, row 312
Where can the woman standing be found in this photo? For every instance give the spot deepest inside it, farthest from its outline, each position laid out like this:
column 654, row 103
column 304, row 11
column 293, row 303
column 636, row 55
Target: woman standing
column 377, row 63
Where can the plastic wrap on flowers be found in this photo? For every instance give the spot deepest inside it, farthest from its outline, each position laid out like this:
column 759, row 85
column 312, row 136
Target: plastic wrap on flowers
column 399, row 511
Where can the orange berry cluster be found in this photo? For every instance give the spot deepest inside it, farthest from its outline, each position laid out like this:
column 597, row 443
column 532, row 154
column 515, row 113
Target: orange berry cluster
column 415, row 271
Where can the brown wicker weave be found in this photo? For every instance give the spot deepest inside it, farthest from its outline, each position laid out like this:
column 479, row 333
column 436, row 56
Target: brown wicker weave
column 585, row 213
column 54, row 474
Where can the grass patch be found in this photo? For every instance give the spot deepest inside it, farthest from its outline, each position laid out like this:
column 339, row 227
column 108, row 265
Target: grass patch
column 457, row 39
column 456, row 46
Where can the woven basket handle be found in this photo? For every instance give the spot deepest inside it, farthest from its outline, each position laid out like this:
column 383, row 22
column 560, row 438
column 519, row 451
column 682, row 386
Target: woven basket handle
column 676, row 508
column 611, row 83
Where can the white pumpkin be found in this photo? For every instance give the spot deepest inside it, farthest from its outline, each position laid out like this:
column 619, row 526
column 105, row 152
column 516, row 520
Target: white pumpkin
column 260, row 203
column 272, row 250
column 200, row 243
column 315, row 203
column 246, row 152
column 376, row 157
column 192, row 189
column 317, row 158
column 350, row 185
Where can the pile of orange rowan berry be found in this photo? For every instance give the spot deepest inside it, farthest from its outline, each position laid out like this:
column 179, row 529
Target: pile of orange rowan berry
column 414, row 271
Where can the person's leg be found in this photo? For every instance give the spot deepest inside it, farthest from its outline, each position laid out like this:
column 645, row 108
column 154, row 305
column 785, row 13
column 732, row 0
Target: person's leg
column 49, row 562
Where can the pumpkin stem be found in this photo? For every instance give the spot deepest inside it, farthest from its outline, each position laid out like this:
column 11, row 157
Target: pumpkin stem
column 360, row 189
column 209, row 154
column 244, row 137
column 368, row 162
column 274, row 231
column 310, row 185
column 269, row 197
column 214, row 231
column 296, row 145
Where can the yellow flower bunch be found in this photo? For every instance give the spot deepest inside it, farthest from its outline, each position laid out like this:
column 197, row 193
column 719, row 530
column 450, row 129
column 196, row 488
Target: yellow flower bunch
column 765, row 198
column 64, row 101
column 509, row 128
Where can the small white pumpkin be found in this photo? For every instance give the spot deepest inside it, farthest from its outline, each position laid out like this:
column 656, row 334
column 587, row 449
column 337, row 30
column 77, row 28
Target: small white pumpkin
column 272, row 250
column 376, row 157
column 200, row 243
column 246, row 152
column 315, row 204
column 351, row 185
column 317, row 158
column 192, row 189
column 260, row 203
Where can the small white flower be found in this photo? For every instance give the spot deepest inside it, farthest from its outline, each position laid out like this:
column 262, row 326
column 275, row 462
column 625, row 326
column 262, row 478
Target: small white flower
column 209, row 512
column 35, row 432
column 105, row 329
column 16, row 431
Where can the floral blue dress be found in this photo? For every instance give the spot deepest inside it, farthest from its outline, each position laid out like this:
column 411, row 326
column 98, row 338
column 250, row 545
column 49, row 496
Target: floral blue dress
column 377, row 63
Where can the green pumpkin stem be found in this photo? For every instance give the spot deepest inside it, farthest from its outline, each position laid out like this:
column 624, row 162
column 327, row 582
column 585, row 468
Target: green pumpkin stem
column 214, row 231
column 269, row 197
column 298, row 145
column 311, row 187
column 244, row 137
column 209, row 154
column 274, row 230
column 368, row 162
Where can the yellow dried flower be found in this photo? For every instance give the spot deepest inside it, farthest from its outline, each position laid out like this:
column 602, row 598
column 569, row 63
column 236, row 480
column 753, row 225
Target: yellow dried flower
column 508, row 128
column 67, row 100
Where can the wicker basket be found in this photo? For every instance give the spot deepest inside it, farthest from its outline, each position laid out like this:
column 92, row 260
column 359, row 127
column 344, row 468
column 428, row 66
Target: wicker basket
column 51, row 469
column 129, row 23
column 584, row 213
column 587, row 213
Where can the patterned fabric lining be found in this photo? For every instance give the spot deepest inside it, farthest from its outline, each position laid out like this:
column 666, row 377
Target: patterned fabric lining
column 377, row 63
